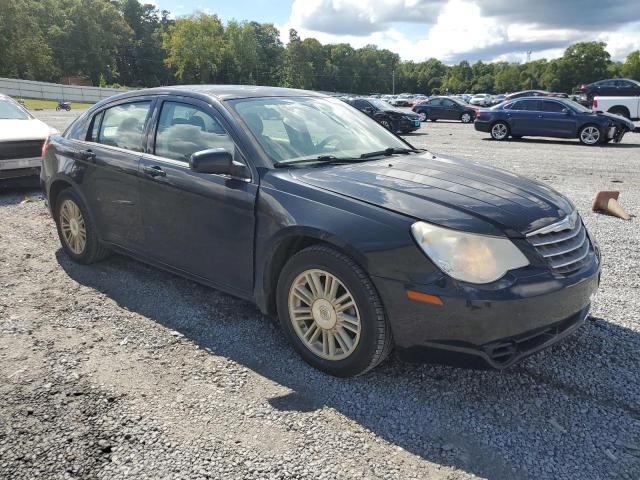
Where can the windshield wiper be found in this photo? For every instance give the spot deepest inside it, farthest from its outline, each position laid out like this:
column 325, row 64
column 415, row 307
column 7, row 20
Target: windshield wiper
column 321, row 158
column 391, row 151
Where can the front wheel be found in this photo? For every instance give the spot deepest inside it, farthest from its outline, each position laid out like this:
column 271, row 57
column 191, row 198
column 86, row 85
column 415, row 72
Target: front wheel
column 590, row 135
column 500, row 131
column 331, row 313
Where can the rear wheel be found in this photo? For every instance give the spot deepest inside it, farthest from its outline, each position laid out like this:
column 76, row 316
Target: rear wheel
column 590, row 135
column 77, row 233
column 331, row 312
column 386, row 124
column 465, row 117
column 500, row 131
column 620, row 111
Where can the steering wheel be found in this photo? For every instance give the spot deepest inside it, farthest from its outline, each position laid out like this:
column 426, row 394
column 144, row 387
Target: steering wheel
column 329, row 139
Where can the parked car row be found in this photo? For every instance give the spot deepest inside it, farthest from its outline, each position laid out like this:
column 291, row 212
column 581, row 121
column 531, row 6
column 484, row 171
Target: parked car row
column 545, row 116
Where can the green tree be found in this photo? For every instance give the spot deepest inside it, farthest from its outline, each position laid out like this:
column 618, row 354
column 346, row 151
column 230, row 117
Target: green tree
column 25, row 51
column 195, row 48
column 631, row 66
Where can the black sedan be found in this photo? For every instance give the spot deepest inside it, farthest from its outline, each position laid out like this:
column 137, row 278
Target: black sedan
column 354, row 239
column 551, row 117
column 445, row 108
column 534, row 93
column 612, row 87
column 392, row 118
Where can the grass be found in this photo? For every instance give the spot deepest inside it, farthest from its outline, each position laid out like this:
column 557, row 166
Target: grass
column 33, row 104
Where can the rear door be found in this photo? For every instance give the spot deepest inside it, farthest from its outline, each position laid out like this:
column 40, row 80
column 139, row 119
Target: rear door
column 202, row 224
column 435, row 109
column 115, row 141
column 522, row 117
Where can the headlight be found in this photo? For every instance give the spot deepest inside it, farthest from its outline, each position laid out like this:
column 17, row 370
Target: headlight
column 466, row 256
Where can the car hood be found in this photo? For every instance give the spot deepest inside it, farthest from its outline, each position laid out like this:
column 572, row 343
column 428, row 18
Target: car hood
column 31, row 129
column 616, row 118
column 399, row 111
column 445, row 191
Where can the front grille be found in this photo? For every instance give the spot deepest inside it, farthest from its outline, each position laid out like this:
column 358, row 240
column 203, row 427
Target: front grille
column 564, row 246
column 21, row 149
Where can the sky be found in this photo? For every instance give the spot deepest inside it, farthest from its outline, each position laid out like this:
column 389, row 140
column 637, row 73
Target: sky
column 449, row 30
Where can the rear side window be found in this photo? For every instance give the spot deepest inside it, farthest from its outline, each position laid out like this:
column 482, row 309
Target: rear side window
column 94, row 128
column 123, row 126
column 525, row 105
column 362, row 104
column 184, row 129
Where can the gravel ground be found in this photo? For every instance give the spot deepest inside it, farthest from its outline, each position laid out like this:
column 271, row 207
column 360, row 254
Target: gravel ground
column 119, row 370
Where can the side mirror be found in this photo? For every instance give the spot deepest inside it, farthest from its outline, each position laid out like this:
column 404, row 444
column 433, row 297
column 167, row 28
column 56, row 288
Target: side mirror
column 566, row 111
column 219, row 161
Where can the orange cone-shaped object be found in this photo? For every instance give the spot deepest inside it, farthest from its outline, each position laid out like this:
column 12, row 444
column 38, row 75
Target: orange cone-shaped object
column 607, row 202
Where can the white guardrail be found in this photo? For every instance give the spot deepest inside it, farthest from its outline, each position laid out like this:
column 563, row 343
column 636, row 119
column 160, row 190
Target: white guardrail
column 54, row 91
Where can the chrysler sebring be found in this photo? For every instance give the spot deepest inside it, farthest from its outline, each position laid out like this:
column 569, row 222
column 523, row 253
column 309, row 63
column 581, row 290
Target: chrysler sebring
column 358, row 242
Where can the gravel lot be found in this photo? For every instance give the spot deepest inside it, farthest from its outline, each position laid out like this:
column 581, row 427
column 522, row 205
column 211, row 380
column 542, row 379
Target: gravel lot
column 119, row 370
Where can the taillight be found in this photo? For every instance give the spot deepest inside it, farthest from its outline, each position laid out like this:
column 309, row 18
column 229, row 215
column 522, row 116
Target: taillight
column 595, row 103
column 45, row 147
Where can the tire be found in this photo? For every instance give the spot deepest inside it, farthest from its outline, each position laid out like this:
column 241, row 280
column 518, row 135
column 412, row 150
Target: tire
column 590, row 135
column 92, row 250
column 500, row 131
column 361, row 351
column 386, row 124
column 57, row 108
column 466, row 117
column 68, row 109
column 423, row 116
column 621, row 111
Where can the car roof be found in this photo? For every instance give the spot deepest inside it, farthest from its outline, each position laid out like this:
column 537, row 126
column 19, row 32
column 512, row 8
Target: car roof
column 222, row 92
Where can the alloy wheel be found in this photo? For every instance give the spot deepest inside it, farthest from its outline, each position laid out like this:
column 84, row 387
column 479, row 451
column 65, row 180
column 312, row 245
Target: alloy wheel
column 72, row 224
column 499, row 131
column 466, row 118
column 324, row 314
column 590, row 135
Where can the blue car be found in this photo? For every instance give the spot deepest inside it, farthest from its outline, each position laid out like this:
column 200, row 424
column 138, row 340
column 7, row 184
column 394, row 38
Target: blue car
column 551, row 117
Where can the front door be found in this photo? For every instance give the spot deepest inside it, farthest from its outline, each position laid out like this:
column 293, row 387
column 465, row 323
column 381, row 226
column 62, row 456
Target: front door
column 557, row 119
column 202, row 224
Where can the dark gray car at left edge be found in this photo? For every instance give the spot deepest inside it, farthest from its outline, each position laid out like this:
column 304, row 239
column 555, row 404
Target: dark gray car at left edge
column 358, row 242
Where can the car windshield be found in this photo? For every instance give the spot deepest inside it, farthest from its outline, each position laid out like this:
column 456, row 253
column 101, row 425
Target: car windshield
column 381, row 104
column 576, row 106
column 11, row 111
column 292, row 129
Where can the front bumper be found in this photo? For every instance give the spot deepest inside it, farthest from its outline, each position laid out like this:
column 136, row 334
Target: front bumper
column 495, row 326
column 20, row 167
column 406, row 126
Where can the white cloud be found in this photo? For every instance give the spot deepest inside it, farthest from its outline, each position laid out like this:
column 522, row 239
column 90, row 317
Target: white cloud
column 453, row 29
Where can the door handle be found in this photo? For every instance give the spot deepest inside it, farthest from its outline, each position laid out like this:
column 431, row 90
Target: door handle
column 88, row 155
column 508, row 114
column 154, row 171
column 539, row 116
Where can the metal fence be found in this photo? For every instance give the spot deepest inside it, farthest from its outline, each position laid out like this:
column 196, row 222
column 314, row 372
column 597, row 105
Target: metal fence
column 54, row 91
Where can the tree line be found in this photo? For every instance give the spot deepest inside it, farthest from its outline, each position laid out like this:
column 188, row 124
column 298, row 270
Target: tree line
column 125, row 42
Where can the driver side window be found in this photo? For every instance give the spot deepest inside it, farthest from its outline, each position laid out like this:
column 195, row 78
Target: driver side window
column 184, row 129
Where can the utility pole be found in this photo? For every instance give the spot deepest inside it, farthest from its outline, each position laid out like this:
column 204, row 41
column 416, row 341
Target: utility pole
column 393, row 81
